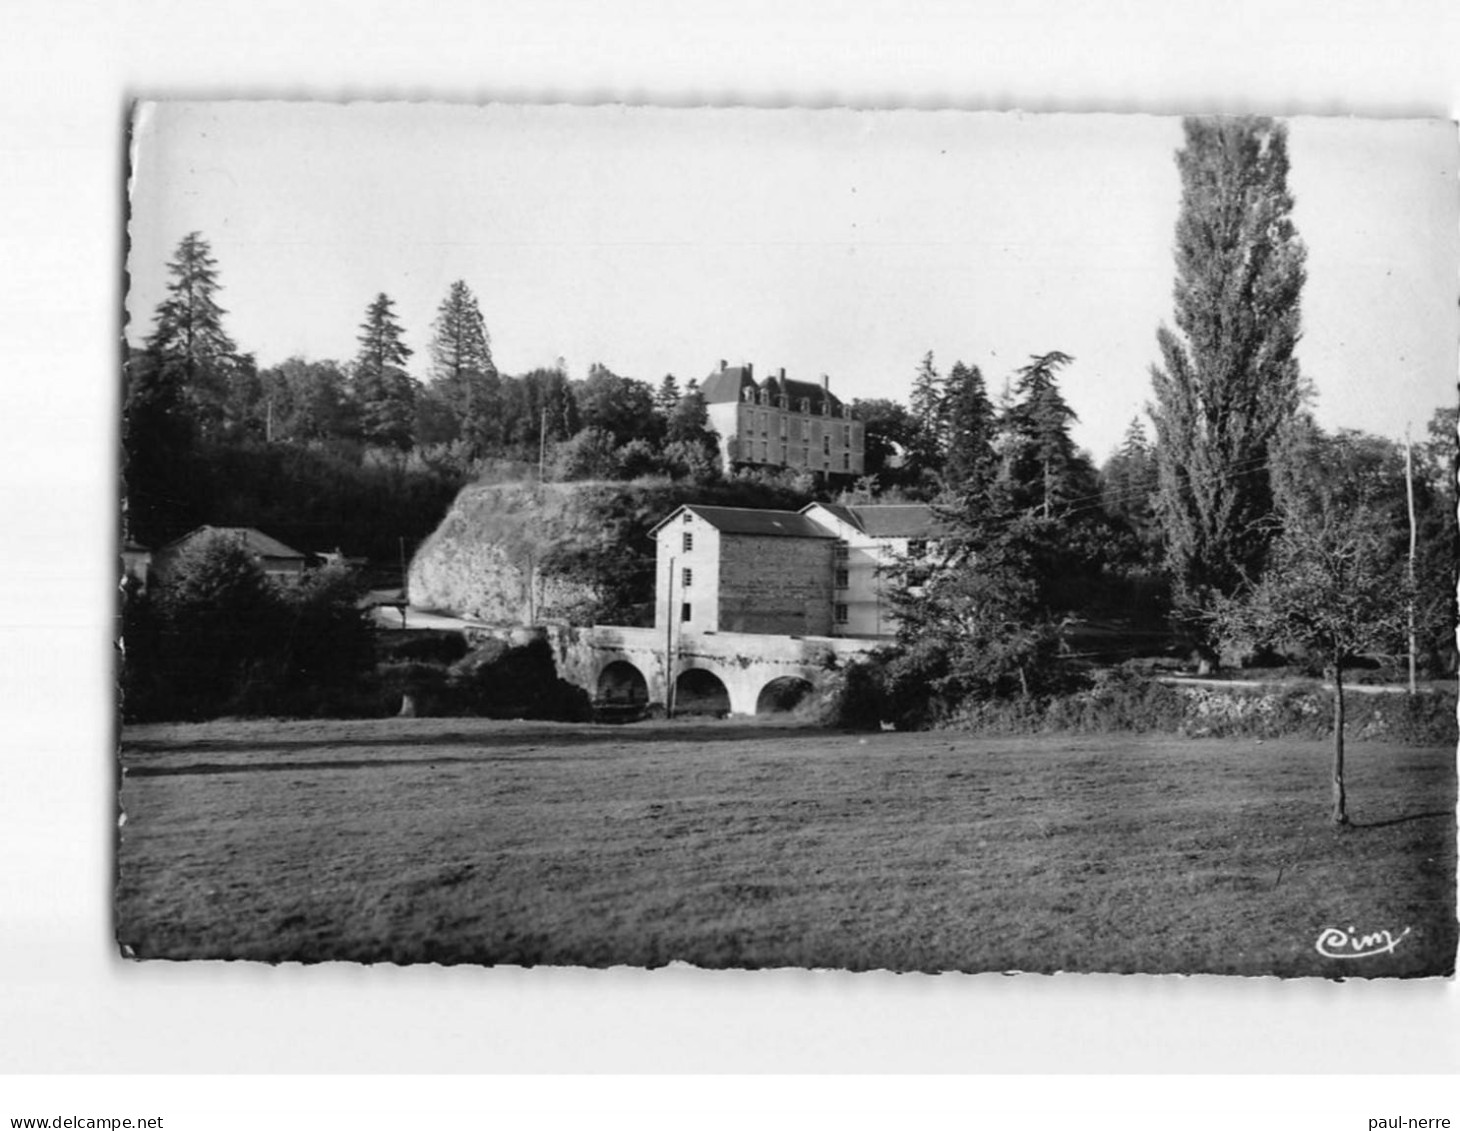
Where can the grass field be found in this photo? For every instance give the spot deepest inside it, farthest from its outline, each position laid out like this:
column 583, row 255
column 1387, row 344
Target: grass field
column 749, row 845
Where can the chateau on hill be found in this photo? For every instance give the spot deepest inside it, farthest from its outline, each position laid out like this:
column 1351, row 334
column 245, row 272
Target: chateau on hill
column 779, row 422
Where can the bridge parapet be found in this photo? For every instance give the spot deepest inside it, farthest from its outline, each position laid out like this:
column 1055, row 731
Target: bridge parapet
column 621, row 660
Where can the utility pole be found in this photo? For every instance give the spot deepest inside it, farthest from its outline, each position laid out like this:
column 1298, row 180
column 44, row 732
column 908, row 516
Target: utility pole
column 542, row 446
column 405, row 580
column 669, row 643
column 1409, row 489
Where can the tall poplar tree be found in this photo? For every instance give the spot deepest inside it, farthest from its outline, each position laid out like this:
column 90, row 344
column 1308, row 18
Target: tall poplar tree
column 188, row 338
column 1228, row 376
column 384, row 390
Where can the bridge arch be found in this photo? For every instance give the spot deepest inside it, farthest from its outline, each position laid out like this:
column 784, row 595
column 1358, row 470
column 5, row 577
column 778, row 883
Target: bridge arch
column 700, row 692
column 783, row 693
column 621, row 683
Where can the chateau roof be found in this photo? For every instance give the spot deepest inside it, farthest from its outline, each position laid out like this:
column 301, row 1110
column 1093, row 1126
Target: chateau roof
column 724, row 386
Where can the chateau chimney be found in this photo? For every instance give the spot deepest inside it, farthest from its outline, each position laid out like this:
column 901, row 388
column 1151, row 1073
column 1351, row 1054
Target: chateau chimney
column 750, row 370
column 782, row 373
column 722, row 365
column 825, row 383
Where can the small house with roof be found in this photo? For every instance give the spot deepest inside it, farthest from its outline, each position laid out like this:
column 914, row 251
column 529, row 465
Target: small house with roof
column 869, row 539
column 780, row 422
column 278, row 561
column 738, row 569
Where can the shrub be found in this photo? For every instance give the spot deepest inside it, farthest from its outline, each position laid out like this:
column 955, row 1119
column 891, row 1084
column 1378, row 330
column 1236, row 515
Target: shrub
column 502, row 682
column 852, row 698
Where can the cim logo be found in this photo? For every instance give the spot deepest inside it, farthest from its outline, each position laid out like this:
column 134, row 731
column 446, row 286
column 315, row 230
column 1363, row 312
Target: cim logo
column 1335, row 942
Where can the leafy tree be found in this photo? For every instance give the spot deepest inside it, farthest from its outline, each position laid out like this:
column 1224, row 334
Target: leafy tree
column 158, row 438
column 691, row 449
column 619, row 406
column 329, row 641
column 1334, row 586
column 970, row 465
column 590, row 454
column 889, row 430
column 1042, row 468
column 385, row 392
column 976, row 621
column 188, row 335
column 464, row 379
column 1229, row 377
column 221, row 616
column 308, row 401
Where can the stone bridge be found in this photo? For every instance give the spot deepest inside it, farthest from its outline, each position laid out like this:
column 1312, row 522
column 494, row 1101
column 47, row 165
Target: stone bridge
column 733, row 673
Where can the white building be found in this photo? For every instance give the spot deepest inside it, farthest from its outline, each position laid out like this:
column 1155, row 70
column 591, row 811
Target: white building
column 820, row 571
column 870, row 539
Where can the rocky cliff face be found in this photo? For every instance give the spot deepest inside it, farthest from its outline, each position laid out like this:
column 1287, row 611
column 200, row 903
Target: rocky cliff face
column 486, row 559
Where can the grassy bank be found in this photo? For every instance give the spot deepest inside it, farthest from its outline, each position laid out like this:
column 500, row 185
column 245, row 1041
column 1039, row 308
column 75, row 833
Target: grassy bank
column 758, row 845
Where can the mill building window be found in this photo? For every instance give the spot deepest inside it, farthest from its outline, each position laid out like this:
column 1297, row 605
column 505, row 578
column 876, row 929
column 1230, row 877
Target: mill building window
column 689, row 541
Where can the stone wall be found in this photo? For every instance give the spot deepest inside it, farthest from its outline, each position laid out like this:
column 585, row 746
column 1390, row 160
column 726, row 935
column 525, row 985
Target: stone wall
column 776, row 585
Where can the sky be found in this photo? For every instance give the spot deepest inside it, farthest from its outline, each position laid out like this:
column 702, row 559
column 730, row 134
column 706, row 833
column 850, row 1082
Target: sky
column 841, row 242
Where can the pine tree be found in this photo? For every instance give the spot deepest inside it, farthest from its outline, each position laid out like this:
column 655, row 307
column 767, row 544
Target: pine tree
column 1128, row 484
column 927, row 406
column 969, row 466
column 188, row 337
column 1042, row 467
column 1229, row 377
column 464, row 377
column 666, row 397
column 383, row 389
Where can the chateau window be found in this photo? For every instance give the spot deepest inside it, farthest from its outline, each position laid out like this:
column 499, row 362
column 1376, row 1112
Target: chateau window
column 847, row 435
column 687, row 578
column 842, row 580
column 684, row 611
column 689, row 541
column 826, row 445
column 762, row 424
column 847, row 413
column 748, row 394
column 765, row 397
column 825, row 408
column 846, row 461
column 785, row 427
column 764, row 456
column 783, row 401
column 806, row 404
column 841, row 614
column 841, row 551
column 806, row 456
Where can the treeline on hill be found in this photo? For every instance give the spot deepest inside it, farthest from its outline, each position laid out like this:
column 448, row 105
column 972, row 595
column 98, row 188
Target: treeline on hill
column 359, row 455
